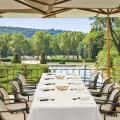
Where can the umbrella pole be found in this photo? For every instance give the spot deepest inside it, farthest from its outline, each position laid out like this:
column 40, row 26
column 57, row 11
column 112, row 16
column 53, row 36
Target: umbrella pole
column 108, row 45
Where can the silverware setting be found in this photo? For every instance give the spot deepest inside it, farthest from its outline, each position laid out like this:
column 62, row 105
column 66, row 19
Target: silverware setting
column 49, row 84
column 48, row 90
column 76, row 98
column 47, row 99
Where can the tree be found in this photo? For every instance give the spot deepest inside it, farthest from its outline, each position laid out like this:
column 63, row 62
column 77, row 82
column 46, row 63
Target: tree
column 41, row 42
column 54, row 45
column 93, row 43
column 4, row 45
column 99, row 24
column 16, row 58
column 43, row 59
column 17, row 43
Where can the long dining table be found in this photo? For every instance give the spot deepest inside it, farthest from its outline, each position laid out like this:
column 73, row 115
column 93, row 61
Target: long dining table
column 63, row 97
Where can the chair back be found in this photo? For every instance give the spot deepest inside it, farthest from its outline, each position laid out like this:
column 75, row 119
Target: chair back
column 4, row 94
column 95, row 80
column 22, row 78
column 106, row 86
column 15, row 89
column 114, row 94
column 93, row 75
column 116, row 97
column 20, row 85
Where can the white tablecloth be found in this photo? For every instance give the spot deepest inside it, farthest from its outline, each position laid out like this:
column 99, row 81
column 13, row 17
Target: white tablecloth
column 63, row 107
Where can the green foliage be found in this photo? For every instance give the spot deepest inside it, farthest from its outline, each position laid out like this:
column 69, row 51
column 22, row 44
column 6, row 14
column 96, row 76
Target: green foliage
column 5, row 59
column 93, row 43
column 66, row 60
column 62, row 62
column 43, row 59
column 16, row 59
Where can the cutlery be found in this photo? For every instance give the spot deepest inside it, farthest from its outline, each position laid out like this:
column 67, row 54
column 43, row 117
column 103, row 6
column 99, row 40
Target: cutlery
column 76, row 98
column 47, row 99
column 48, row 90
column 50, row 84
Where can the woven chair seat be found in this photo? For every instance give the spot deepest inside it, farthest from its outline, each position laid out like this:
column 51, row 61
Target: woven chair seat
column 9, row 116
column 16, row 106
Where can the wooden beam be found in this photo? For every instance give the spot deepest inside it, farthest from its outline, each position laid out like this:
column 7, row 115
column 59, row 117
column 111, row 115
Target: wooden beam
column 60, row 2
column 26, row 4
column 56, row 12
column 108, row 44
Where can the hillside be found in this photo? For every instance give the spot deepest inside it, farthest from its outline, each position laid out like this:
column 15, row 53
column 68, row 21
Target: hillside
column 28, row 32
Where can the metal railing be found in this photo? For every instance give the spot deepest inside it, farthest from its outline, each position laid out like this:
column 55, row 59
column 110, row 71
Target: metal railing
column 85, row 70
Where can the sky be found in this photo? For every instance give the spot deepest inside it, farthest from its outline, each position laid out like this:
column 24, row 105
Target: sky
column 72, row 24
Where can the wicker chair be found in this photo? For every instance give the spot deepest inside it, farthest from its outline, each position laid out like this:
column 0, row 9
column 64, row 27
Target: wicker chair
column 6, row 114
column 25, row 88
column 89, row 82
column 110, row 108
column 27, row 83
column 92, row 84
column 18, row 94
column 10, row 103
column 116, row 116
column 104, row 89
column 109, row 97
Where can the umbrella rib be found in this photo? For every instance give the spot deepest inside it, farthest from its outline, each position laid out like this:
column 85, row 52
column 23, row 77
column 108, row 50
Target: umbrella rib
column 57, row 12
column 43, row 12
column 40, row 2
column 60, row 2
column 115, row 11
column 102, row 10
column 16, row 10
column 91, row 10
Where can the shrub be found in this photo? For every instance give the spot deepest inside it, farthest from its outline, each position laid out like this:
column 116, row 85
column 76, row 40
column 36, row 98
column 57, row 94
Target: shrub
column 89, row 60
column 43, row 59
column 16, row 59
column 62, row 62
column 65, row 60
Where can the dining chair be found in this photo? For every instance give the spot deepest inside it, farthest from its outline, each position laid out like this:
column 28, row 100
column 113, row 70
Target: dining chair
column 109, row 97
column 18, row 94
column 104, row 89
column 6, row 114
column 11, row 102
column 111, row 108
column 27, row 83
column 25, row 88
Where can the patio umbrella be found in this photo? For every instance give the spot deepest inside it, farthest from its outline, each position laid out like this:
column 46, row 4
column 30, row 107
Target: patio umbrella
column 63, row 9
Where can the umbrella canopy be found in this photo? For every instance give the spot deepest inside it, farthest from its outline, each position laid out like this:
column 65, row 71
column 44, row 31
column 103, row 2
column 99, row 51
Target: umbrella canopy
column 58, row 8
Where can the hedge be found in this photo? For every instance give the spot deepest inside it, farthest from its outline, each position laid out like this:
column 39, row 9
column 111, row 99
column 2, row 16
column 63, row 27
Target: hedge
column 70, row 60
column 5, row 59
